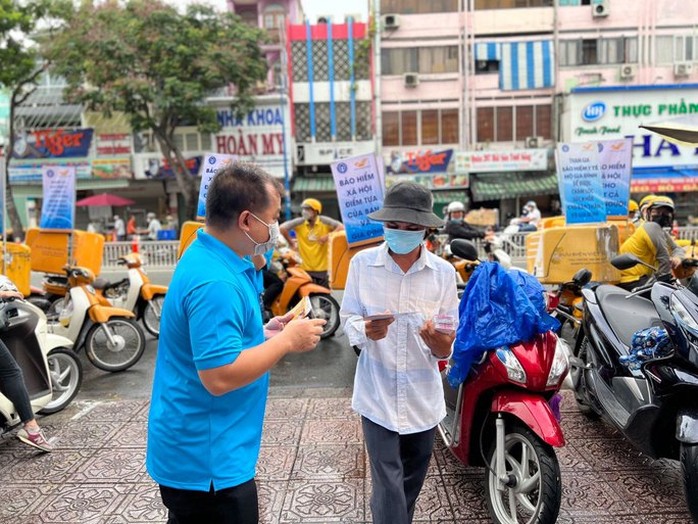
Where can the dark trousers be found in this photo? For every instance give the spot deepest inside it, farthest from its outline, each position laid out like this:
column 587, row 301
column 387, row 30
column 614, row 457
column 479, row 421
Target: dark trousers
column 12, row 382
column 273, row 285
column 236, row 505
column 399, row 465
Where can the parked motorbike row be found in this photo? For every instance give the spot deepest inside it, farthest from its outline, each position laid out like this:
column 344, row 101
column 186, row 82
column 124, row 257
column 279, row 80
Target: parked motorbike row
column 45, row 332
column 648, row 393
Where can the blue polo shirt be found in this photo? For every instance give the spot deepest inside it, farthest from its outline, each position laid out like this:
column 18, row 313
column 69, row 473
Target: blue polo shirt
column 211, row 313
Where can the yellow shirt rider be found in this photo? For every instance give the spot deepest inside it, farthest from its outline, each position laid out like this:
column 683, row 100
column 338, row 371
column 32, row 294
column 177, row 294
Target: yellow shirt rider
column 312, row 234
column 652, row 244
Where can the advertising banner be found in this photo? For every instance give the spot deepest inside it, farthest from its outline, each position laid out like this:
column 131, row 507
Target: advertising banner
column 53, row 143
column 209, row 168
column 581, row 187
column 498, row 161
column 359, row 184
column 58, row 208
column 615, row 164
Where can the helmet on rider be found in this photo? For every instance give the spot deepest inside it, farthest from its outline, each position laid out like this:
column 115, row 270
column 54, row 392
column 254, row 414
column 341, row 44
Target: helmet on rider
column 644, row 204
column 312, row 203
column 457, row 209
column 661, row 211
column 632, row 206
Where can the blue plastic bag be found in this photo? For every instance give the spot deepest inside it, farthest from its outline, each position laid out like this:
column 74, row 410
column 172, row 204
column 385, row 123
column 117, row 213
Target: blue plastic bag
column 498, row 308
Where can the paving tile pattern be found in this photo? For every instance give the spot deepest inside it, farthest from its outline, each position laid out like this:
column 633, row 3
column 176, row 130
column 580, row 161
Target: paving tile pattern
column 313, row 469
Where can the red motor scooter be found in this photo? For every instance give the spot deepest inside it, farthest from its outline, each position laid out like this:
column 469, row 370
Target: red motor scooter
column 501, row 418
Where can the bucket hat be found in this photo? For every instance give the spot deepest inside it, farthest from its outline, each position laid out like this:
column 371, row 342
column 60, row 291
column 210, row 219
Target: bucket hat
column 408, row 202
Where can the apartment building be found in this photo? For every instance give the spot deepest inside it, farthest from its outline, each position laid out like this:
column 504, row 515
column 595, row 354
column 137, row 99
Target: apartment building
column 331, row 91
column 475, row 93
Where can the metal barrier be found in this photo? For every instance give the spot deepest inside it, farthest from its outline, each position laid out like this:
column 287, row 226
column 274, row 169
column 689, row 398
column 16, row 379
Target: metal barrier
column 163, row 253
column 155, row 253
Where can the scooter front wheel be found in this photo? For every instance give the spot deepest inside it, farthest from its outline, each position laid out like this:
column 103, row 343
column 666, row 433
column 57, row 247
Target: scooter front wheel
column 152, row 313
column 65, row 372
column 536, row 494
column 120, row 350
column 326, row 307
column 689, row 463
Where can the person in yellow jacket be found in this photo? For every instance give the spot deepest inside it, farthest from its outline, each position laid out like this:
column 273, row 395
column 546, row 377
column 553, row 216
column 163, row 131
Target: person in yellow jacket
column 652, row 243
column 312, row 234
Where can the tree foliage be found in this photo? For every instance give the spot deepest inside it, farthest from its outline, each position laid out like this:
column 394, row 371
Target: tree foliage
column 144, row 58
column 21, row 68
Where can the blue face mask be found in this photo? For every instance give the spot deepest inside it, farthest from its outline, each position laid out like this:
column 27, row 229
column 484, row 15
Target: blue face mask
column 401, row 241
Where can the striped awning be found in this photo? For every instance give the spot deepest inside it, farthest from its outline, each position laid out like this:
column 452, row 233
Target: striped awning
column 499, row 186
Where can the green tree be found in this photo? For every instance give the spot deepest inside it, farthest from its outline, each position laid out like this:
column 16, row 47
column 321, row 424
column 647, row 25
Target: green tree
column 157, row 66
column 21, row 67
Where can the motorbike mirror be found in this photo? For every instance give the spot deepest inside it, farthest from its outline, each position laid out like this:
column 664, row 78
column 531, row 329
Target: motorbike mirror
column 628, row 260
column 689, row 262
column 582, row 277
column 464, row 249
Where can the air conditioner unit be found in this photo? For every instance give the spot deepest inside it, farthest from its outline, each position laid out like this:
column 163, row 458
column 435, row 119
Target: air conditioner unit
column 600, row 8
column 411, row 79
column 391, row 21
column 683, row 69
column 533, row 142
column 628, row 71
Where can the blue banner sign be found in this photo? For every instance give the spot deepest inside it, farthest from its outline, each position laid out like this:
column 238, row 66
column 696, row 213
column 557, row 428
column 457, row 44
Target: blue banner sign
column 359, row 184
column 209, row 168
column 58, row 208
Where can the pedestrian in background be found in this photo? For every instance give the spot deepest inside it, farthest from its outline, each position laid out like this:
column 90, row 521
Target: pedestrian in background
column 154, row 226
column 312, row 232
column 119, row 229
column 393, row 294
column 131, row 227
column 214, row 354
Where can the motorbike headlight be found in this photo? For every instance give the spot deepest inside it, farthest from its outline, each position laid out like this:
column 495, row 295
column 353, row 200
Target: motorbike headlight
column 683, row 316
column 514, row 369
column 560, row 363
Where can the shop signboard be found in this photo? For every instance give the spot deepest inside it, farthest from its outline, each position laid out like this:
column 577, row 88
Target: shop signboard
column 501, row 161
column 431, row 168
column 52, row 143
column 611, row 113
column 261, row 136
column 315, row 154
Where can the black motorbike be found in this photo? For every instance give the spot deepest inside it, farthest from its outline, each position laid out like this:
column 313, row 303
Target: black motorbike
column 653, row 402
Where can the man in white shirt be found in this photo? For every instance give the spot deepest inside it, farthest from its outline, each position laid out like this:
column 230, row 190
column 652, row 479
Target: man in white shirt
column 392, row 293
column 154, row 226
column 119, row 228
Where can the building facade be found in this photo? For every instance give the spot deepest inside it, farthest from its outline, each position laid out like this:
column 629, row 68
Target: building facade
column 499, row 82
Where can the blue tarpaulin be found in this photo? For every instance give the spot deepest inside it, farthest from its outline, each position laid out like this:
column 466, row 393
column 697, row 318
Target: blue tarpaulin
column 498, row 308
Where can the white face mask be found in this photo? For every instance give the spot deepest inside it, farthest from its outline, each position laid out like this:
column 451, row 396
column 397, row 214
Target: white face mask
column 262, row 247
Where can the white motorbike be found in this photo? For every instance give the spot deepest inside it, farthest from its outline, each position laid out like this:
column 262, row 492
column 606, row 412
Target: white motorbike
column 135, row 293
column 52, row 371
column 112, row 339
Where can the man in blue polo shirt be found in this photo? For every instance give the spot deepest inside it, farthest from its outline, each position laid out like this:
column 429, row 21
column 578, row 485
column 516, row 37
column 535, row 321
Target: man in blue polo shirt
column 214, row 354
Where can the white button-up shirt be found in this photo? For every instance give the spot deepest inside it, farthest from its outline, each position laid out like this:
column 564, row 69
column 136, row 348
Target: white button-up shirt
column 397, row 382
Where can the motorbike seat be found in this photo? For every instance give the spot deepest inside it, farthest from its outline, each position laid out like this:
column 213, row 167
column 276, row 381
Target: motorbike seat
column 103, row 283
column 626, row 315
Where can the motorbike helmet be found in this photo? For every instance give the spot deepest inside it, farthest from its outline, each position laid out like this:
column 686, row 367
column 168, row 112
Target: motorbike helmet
column 663, row 219
column 632, row 206
column 455, row 207
column 313, row 204
column 644, row 203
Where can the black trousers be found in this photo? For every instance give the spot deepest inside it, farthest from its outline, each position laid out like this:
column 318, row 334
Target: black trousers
column 399, row 465
column 12, row 384
column 236, row 505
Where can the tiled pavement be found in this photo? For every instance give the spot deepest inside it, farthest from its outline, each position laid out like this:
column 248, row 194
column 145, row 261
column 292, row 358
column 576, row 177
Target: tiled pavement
column 313, row 470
